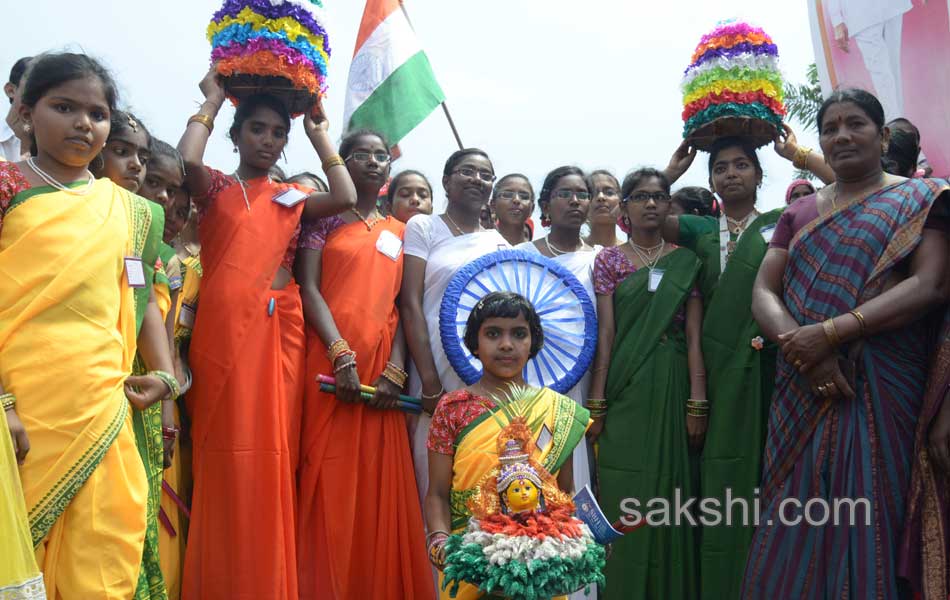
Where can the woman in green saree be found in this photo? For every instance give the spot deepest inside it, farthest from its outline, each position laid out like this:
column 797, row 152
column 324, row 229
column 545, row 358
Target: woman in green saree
column 651, row 420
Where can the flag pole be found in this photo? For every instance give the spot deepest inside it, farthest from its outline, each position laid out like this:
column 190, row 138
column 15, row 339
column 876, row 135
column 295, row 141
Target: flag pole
column 445, row 107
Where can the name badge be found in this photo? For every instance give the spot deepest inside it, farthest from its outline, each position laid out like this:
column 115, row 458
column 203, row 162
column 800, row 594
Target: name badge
column 134, row 272
column 767, row 232
column 544, row 439
column 186, row 318
column 389, row 244
column 656, row 276
column 289, row 197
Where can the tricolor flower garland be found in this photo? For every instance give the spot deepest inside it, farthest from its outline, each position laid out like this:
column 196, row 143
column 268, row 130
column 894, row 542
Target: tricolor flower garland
column 734, row 73
column 278, row 38
column 525, row 557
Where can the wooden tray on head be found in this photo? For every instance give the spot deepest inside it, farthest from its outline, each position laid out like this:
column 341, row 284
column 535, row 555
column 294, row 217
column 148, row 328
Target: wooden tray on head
column 297, row 100
column 756, row 131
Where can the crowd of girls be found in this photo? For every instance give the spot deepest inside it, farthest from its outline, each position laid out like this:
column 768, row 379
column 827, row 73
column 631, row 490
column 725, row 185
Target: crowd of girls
column 164, row 326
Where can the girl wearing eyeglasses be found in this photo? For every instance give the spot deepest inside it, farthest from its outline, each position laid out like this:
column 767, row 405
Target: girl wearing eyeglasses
column 436, row 247
column 649, row 378
column 564, row 201
column 513, row 202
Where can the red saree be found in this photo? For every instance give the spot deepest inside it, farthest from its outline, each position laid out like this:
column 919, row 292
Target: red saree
column 360, row 530
column 247, row 354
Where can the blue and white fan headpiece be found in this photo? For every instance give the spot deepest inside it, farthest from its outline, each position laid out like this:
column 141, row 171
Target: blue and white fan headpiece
column 566, row 310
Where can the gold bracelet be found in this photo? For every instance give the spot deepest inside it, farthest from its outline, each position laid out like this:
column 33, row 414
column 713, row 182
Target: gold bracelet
column 831, row 333
column 337, row 348
column 204, row 119
column 174, row 389
column 800, row 160
column 7, row 400
column 333, row 161
column 857, row 315
column 395, row 375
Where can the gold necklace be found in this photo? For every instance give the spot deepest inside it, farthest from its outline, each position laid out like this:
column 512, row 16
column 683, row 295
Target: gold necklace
column 555, row 251
column 457, row 228
column 371, row 222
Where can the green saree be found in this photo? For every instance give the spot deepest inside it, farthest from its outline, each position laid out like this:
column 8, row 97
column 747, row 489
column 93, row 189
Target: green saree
column 740, row 380
column 147, row 424
column 644, row 450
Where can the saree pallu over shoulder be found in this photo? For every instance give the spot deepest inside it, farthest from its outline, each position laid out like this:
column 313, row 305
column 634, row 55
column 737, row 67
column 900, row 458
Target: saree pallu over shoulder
column 241, row 251
column 836, row 263
column 860, row 448
column 740, row 381
column 476, row 453
column 63, row 293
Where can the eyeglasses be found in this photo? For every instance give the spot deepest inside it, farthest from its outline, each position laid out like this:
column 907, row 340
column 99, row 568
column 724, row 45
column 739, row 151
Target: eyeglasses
column 568, row 194
column 486, row 176
column 608, row 193
column 510, row 195
column 643, row 197
column 380, row 157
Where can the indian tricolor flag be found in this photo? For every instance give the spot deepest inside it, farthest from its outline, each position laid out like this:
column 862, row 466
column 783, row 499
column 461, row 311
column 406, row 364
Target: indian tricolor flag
column 391, row 87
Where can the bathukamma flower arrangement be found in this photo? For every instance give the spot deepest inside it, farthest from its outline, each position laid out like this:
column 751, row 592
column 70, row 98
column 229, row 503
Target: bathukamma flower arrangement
column 733, row 87
column 279, row 47
column 523, row 540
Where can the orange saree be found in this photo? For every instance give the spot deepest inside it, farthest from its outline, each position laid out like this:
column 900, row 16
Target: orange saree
column 360, row 526
column 247, row 356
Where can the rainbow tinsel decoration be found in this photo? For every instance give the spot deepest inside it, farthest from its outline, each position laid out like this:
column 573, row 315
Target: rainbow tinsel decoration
column 734, row 73
column 276, row 38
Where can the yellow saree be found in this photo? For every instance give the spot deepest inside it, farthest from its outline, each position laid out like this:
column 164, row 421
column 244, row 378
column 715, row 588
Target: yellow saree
column 67, row 339
column 558, row 424
column 20, row 578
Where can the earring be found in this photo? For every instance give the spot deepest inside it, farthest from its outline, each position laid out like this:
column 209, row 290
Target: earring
column 235, row 150
column 27, row 128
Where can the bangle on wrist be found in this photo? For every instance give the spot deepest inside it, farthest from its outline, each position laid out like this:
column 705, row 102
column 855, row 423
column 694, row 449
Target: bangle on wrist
column 394, row 375
column 204, row 119
column 333, row 161
column 7, row 400
column 857, row 315
column 831, row 333
column 174, row 390
column 800, row 158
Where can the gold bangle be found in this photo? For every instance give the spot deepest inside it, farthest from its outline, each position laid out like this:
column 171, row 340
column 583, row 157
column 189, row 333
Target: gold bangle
column 800, row 160
column 7, row 400
column 857, row 315
column 337, row 348
column 204, row 119
column 333, row 161
column 831, row 333
column 395, row 375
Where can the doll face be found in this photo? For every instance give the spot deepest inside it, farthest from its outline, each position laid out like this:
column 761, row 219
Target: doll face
column 522, row 496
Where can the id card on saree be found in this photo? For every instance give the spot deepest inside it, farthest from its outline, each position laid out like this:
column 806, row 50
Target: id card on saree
column 656, row 276
column 289, row 197
column 389, row 244
column 134, row 272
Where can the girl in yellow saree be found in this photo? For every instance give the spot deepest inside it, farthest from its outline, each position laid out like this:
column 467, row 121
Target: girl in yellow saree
column 67, row 339
column 504, row 332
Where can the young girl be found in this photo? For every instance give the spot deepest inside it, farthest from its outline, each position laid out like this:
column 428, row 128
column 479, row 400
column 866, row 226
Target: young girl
column 604, row 209
column 247, row 349
column 436, row 247
column 504, row 332
column 69, row 259
column 355, row 453
column 409, row 194
column 124, row 160
column 649, row 372
column 513, row 202
column 164, row 178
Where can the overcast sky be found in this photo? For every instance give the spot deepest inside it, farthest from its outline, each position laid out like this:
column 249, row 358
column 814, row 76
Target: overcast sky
column 535, row 83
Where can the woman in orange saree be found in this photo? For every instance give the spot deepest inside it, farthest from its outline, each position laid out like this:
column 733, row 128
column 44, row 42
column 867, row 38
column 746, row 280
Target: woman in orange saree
column 360, row 527
column 247, row 352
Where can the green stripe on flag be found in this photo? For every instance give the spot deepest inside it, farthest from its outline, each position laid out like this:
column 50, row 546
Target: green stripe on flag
column 402, row 101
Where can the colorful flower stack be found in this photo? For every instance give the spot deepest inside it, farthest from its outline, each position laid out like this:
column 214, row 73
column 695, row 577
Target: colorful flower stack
column 733, row 87
column 274, row 46
column 529, row 552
